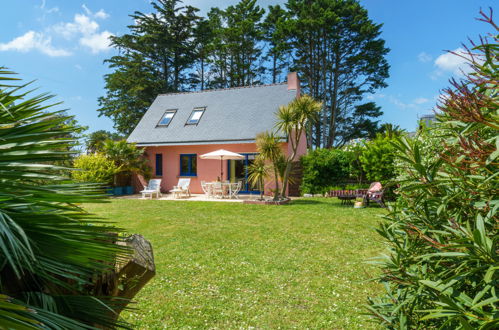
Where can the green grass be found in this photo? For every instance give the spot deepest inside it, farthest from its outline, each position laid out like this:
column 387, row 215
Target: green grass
column 229, row 265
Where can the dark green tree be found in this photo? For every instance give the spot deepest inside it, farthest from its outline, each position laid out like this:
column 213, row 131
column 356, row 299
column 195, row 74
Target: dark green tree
column 203, row 34
column 237, row 46
column 340, row 57
column 359, row 124
column 278, row 46
column 155, row 57
column 95, row 141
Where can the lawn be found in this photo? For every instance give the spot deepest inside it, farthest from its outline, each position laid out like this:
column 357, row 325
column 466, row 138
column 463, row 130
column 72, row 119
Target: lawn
column 229, row 265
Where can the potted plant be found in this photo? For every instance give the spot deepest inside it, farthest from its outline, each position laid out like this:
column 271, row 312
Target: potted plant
column 359, row 203
column 130, row 160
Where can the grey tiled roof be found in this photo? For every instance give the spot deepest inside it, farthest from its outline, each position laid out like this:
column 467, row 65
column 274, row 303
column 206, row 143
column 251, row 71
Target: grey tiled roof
column 232, row 115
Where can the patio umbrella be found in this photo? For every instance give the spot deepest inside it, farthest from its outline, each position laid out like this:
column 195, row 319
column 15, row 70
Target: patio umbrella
column 221, row 154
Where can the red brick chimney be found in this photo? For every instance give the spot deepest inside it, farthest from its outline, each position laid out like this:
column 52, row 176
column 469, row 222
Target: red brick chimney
column 294, row 83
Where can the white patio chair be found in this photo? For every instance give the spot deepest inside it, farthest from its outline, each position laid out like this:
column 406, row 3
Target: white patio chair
column 182, row 187
column 217, row 189
column 153, row 187
column 206, row 188
column 235, row 188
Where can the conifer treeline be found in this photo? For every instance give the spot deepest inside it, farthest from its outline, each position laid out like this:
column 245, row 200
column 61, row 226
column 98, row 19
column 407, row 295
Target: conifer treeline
column 332, row 44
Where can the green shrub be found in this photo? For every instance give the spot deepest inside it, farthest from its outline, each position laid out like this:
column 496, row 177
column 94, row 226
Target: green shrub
column 95, row 168
column 442, row 272
column 324, row 169
column 128, row 158
column 378, row 159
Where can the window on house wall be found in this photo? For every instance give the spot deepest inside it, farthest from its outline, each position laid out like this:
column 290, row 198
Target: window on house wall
column 188, row 165
column 167, row 118
column 195, row 116
column 159, row 165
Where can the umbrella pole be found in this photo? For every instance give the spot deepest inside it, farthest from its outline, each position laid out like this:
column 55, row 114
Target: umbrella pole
column 221, row 168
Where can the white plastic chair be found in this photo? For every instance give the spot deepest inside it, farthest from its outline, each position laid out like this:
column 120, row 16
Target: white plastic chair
column 182, row 187
column 153, row 187
column 235, row 188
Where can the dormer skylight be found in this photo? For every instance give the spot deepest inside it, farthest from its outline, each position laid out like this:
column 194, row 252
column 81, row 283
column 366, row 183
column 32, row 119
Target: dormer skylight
column 167, row 118
column 195, row 116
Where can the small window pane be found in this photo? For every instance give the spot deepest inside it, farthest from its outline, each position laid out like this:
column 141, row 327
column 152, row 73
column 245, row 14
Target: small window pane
column 188, row 165
column 184, row 165
column 193, row 165
column 159, row 164
column 167, row 118
column 195, row 116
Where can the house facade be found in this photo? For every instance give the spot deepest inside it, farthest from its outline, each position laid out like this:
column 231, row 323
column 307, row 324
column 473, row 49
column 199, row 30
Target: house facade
column 178, row 128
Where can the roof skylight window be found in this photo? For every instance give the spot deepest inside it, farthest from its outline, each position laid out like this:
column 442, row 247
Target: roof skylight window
column 196, row 115
column 167, row 118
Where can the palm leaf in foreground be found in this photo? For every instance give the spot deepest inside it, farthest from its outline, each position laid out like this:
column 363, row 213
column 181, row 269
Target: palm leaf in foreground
column 50, row 249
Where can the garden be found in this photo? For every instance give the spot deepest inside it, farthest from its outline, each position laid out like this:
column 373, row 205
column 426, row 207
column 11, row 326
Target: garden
column 231, row 265
column 428, row 261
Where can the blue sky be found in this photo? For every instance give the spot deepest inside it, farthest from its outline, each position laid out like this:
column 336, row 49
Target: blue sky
column 62, row 44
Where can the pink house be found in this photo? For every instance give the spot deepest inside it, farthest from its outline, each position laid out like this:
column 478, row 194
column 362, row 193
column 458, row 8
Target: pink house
column 180, row 127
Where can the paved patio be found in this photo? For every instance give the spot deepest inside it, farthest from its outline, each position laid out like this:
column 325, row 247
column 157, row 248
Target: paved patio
column 193, row 198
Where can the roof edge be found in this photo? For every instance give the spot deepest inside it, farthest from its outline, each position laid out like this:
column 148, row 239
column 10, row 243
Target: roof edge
column 223, row 89
column 179, row 143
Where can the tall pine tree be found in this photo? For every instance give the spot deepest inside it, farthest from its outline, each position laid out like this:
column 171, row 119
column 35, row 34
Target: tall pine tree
column 154, row 58
column 276, row 36
column 237, row 47
column 341, row 57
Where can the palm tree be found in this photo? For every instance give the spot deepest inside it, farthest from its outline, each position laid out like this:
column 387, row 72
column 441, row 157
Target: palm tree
column 127, row 157
column 292, row 120
column 258, row 171
column 268, row 146
column 50, row 248
column 96, row 140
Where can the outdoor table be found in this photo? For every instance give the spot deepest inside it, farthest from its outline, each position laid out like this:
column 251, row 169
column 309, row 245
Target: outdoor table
column 226, row 186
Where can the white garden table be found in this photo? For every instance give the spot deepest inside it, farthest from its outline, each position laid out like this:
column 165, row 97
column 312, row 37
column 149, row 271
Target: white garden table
column 226, row 187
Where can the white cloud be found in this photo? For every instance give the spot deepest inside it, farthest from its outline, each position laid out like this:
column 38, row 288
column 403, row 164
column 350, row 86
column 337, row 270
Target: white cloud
column 81, row 24
column 97, row 42
column 48, row 11
column 88, row 30
column 402, row 105
column 451, row 62
column 85, row 8
column 420, row 100
column 83, row 28
column 375, row 96
column 424, row 57
column 32, row 40
column 101, row 14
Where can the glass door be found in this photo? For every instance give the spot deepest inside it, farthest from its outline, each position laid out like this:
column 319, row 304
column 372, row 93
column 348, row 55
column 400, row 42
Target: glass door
column 238, row 171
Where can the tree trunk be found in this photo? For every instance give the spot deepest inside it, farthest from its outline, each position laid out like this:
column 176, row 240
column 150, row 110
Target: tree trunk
column 286, row 177
column 202, row 73
column 274, row 73
column 276, row 178
column 129, row 276
column 334, row 100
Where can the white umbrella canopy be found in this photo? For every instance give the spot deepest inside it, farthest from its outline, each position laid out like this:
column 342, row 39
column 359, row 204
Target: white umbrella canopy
column 221, row 154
